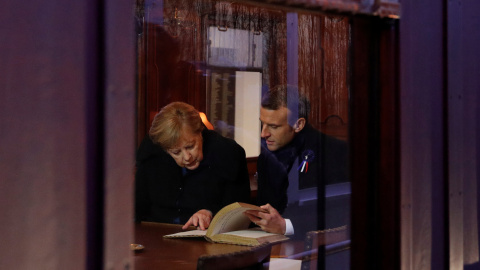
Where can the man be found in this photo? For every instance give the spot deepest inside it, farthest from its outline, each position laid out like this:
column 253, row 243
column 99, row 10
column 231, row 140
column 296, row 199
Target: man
column 295, row 164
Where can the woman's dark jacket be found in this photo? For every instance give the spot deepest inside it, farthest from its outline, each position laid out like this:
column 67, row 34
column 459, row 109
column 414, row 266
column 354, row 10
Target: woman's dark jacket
column 165, row 192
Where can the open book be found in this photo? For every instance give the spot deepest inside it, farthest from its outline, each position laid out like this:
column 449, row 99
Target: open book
column 231, row 226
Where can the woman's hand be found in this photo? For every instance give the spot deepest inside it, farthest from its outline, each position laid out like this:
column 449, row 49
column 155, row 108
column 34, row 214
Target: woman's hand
column 271, row 221
column 200, row 219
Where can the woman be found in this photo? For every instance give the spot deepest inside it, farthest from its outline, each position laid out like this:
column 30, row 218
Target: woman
column 185, row 172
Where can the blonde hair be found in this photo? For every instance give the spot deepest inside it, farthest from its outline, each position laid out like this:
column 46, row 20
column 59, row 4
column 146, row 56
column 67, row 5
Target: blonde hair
column 167, row 126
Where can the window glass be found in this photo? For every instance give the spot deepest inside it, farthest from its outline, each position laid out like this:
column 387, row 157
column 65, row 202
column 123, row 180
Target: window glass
column 222, row 58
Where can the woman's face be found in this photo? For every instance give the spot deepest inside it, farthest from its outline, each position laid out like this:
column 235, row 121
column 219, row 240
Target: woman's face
column 188, row 150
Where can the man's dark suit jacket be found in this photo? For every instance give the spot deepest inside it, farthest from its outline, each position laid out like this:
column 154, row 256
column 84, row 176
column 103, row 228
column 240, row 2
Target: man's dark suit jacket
column 327, row 164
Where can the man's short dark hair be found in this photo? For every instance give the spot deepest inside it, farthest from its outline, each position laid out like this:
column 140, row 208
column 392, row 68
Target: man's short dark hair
column 287, row 96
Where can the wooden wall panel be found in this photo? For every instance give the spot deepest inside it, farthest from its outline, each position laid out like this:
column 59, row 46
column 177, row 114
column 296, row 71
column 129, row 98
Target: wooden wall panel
column 362, row 178
column 381, row 8
column 54, row 153
column 440, row 159
column 463, row 86
column 171, row 65
column 166, row 75
column 119, row 143
column 422, row 132
column 374, row 143
column 471, row 143
column 324, row 44
column 335, row 43
column 44, row 84
column 455, row 134
column 389, row 184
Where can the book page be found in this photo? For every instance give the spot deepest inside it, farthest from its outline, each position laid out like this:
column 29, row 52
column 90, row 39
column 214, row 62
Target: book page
column 249, row 237
column 193, row 233
column 231, row 218
column 251, row 233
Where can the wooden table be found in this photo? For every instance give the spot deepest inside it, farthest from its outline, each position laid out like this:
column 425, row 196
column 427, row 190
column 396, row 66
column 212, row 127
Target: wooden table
column 163, row 253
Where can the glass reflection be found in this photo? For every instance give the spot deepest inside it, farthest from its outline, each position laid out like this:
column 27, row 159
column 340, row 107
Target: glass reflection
column 222, row 58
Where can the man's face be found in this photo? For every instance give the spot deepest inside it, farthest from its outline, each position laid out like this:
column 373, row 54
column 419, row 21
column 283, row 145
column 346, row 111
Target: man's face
column 275, row 129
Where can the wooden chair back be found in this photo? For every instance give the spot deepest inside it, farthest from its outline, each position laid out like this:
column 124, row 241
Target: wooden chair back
column 322, row 243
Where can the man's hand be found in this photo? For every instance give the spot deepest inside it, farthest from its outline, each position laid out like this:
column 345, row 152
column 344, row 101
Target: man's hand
column 271, row 221
column 200, row 219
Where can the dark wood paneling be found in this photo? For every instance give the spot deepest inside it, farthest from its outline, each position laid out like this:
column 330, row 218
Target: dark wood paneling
column 374, row 145
column 335, row 46
column 389, row 140
column 164, row 76
column 455, row 134
column 119, row 142
column 163, row 79
column 363, row 192
column 48, row 54
column 422, row 136
column 381, row 8
column 462, row 56
column 471, row 111
column 54, row 99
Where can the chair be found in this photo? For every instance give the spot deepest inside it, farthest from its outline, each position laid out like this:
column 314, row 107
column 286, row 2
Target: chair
column 248, row 259
column 326, row 242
